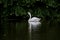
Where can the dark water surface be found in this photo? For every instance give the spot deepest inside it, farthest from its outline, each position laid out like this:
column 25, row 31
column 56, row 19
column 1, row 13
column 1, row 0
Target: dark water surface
column 23, row 30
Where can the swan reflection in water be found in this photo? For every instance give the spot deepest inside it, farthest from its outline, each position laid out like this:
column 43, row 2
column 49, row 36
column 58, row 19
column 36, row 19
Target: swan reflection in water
column 33, row 26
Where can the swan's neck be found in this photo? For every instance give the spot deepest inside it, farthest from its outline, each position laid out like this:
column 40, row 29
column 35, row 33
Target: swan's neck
column 29, row 15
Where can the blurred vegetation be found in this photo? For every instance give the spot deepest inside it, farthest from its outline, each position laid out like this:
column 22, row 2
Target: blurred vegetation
column 40, row 8
column 46, row 9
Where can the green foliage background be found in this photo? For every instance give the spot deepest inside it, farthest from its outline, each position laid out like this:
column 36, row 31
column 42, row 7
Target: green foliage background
column 21, row 7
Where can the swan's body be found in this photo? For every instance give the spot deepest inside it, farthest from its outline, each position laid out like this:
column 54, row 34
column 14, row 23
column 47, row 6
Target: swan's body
column 33, row 19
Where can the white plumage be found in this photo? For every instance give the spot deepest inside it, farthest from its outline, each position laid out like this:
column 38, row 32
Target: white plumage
column 33, row 19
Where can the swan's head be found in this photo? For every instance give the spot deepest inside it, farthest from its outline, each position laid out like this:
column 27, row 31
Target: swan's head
column 29, row 13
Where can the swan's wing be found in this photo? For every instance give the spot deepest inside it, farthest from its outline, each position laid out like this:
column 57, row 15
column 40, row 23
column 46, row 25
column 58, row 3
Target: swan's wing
column 35, row 19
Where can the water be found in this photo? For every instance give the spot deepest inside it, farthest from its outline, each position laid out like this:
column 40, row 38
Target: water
column 33, row 28
column 23, row 30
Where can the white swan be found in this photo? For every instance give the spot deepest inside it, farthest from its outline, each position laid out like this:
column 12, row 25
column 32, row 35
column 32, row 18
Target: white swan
column 34, row 19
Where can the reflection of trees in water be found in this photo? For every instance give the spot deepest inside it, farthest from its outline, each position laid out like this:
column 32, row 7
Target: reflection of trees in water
column 49, row 30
